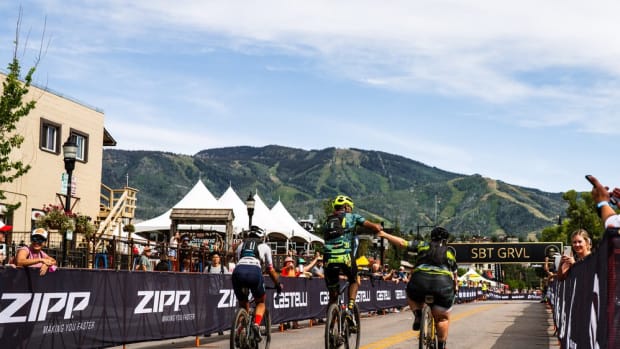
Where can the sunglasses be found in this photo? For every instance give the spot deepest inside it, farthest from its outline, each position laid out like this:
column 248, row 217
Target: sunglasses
column 38, row 239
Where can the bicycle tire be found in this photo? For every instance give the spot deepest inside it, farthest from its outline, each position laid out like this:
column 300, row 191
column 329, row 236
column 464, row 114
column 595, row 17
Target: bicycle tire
column 265, row 330
column 239, row 329
column 353, row 339
column 332, row 327
column 426, row 329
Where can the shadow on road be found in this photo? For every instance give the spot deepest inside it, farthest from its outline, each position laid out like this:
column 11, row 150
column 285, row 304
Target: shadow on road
column 533, row 328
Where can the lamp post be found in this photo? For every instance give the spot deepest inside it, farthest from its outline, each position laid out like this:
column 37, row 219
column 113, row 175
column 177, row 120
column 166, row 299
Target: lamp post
column 69, row 149
column 249, row 202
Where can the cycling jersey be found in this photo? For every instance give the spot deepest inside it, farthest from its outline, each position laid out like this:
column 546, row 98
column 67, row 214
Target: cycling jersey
column 252, row 256
column 342, row 248
column 432, row 274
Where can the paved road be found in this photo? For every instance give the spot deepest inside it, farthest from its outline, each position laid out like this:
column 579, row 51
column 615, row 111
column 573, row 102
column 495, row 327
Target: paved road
column 492, row 325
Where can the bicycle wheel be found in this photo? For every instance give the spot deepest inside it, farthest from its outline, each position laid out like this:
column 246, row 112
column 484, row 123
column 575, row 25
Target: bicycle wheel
column 426, row 329
column 239, row 329
column 353, row 336
column 332, row 327
column 265, row 330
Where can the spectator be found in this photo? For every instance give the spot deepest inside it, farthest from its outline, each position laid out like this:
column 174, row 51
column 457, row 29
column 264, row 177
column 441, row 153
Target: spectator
column 216, row 266
column 144, row 263
column 33, row 256
column 173, row 252
column 317, row 271
column 400, row 275
column 601, row 196
column 185, row 255
column 581, row 248
column 163, row 264
column 289, row 270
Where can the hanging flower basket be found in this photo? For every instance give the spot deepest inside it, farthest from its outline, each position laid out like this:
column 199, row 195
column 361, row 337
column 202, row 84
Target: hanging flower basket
column 129, row 228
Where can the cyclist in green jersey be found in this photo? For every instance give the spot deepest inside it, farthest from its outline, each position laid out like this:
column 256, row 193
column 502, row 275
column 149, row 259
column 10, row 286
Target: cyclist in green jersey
column 341, row 246
column 434, row 273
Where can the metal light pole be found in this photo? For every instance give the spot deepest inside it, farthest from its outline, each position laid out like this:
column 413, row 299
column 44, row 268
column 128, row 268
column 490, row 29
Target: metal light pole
column 69, row 150
column 249, row 202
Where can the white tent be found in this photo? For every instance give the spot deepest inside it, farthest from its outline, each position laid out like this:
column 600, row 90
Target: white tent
column 471, row 275
column 230, row 199
column 262, row 216
column 290, row 225
column 277, row 219
column 198, row 197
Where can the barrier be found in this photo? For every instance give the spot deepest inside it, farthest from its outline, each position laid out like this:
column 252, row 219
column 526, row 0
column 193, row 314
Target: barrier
column 585, row 308
column 92, row 308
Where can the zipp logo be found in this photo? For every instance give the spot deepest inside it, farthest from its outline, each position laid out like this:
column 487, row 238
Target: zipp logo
column 38, row 305
column 155, row 301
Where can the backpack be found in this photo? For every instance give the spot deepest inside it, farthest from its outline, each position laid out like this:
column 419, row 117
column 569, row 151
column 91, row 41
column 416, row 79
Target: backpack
column 334, row 226
column 436, row 255
column 250, row 248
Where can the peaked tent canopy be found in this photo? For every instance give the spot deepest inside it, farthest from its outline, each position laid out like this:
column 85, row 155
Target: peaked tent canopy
column 198, row 197
column 289, row 223
column 230, row 199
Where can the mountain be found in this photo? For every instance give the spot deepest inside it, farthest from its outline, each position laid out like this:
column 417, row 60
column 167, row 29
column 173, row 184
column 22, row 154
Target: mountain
column 387, row 187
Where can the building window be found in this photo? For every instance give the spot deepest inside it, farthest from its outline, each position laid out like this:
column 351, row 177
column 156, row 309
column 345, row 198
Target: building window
column 50, row 136
column 81, row 139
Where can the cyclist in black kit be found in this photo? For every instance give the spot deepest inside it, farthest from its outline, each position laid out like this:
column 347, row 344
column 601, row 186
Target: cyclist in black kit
column 252, row 256
column 434, row 273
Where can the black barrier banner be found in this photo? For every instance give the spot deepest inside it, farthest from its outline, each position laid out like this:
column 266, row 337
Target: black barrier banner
column 522, row 252
column 583, row 305
column 74, row 308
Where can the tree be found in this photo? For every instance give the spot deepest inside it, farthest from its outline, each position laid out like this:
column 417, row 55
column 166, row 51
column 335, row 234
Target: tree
column 580, row 214
column 12, row 109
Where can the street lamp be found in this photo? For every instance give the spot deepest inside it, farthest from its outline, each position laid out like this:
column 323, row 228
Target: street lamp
column 69, row 150
column 249, row 202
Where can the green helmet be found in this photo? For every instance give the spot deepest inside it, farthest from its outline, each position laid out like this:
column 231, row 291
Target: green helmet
column 341, row 200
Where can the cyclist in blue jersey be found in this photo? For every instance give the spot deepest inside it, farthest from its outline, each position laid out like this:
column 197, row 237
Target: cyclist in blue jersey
column 434, row 273
column 340, row 248
column 252, row 256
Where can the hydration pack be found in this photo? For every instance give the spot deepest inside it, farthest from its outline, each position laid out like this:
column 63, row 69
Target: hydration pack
column 250, row 248
column 435, row 255
column 334, row 226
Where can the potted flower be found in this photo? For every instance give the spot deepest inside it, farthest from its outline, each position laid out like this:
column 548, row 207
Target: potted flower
column 84, row 226
column 129, row 228
column 55, row 218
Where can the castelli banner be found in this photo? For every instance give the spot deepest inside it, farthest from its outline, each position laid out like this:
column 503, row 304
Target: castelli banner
column 76, row 308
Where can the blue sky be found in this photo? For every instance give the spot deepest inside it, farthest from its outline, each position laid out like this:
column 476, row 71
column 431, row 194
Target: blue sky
column 525, row 92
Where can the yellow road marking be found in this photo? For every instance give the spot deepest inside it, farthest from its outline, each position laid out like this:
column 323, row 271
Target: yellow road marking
column 407, row 335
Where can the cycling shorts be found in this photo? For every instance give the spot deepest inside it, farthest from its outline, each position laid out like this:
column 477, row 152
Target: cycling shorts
column 333, row 271
column 250, row 277
column 440, row 286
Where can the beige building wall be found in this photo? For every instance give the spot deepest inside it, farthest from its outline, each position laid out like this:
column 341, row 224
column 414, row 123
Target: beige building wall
column 43, row 182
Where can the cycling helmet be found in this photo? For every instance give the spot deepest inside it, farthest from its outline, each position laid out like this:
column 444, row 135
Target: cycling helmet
column 341, row 200
column 439, row 233
column 256, row 231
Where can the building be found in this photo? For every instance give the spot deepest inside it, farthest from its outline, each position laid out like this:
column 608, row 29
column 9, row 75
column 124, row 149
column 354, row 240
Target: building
column 45, row 129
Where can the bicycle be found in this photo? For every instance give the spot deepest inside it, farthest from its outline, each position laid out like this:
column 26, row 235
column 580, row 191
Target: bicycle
column 337, row 328
column 241, row 334
column 428, row 332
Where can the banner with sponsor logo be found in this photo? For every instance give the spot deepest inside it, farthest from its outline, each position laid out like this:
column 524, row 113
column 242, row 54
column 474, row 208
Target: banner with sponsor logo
column 76, row 308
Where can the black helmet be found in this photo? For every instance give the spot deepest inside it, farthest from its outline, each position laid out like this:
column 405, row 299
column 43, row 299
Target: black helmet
column 439, row 233
column 256, row 231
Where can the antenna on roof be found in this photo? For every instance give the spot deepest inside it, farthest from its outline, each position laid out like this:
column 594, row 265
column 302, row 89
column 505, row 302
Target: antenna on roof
column 127, row 179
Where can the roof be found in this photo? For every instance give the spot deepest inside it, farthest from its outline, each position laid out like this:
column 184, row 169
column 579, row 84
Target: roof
column 202, row 215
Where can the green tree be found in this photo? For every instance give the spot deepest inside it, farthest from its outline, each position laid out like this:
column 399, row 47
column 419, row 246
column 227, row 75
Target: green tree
column 12, row 109
column 580, row 214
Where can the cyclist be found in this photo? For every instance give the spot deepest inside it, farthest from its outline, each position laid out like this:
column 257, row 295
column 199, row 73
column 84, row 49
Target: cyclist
column 253, row 254
column 340, row 248
column 434, row 273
